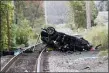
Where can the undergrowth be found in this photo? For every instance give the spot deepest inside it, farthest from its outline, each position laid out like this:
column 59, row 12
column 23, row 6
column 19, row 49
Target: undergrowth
column 98, row 35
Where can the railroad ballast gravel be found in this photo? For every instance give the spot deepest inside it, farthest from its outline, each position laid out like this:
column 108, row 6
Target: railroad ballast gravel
column 26, row 62
column 85, row 62
column 4, row 60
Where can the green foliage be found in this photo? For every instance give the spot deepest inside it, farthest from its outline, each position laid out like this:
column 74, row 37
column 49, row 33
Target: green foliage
column 30, row 10
column 13, row 35
column 98, row 35
column 6, row 9
column 79, row 13
column 29, row 19
column 23, row 32
column 94, row 13
column 19, row 21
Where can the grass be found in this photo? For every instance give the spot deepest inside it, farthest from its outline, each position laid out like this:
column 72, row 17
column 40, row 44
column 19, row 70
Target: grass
column 98, row 35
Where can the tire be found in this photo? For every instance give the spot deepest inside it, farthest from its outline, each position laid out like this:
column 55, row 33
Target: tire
column 50, row 30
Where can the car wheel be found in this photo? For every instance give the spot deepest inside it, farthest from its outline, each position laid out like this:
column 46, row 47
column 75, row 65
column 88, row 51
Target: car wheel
column 50, row 30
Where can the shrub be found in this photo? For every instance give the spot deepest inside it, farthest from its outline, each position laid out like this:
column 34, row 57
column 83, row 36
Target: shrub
column 23, row 33
column 98, row 35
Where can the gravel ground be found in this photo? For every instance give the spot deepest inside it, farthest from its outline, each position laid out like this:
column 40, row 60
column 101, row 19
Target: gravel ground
column 4, row 60
column 85, row 62
column 26, row 62
column 45, row 62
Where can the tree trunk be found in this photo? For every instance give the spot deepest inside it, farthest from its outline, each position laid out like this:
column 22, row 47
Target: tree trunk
column 88, row 14
column 0, row 30
column 8, row 29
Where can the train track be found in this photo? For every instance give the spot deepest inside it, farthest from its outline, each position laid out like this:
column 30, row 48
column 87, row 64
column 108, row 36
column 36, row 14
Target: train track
column 26, row 62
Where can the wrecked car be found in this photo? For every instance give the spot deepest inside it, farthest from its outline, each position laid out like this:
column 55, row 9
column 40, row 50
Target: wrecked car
column 63, row 42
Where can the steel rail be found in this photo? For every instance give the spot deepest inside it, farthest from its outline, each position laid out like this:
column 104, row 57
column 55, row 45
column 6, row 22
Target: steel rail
column 9, row 63
column 12, row 60
column 39, row 61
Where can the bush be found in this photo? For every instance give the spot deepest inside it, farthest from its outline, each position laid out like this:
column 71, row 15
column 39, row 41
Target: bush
column 23, row 33
column 98, row 35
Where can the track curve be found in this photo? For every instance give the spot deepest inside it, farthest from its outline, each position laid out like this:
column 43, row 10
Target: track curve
column 25, row 62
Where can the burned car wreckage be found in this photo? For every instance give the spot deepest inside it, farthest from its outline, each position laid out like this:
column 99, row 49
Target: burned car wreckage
column 63, row 42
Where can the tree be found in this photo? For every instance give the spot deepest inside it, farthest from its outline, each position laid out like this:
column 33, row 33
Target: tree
column 15, row 24
column 103, row 5
column 79, row 13
column 18, row 11
column 0, row 28
column 23, row 32
column 8, row 27
column 6, row 9
column 88, row 14
column 31, row 11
